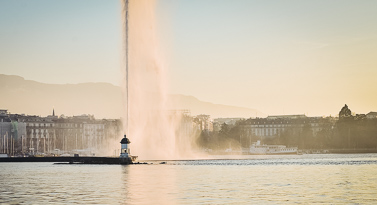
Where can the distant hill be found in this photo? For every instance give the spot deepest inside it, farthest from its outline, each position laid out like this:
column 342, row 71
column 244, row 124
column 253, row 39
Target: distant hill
column 103, row 100
column 198, row 107
column 18, row 95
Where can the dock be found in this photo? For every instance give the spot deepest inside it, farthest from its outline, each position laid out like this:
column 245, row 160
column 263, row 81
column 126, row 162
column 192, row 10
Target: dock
column 69, row 160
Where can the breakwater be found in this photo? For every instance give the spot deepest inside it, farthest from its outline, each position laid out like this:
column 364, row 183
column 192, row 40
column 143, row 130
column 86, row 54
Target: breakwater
column 80, row 160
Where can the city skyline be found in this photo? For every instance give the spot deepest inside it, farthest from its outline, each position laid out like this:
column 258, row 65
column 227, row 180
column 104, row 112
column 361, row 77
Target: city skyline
column 280, row 57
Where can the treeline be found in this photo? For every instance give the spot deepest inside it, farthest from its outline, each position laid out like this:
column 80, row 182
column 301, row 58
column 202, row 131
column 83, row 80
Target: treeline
column 347, row 132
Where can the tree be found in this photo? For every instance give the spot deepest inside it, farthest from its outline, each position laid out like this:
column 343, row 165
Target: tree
column 224, row 131
column 345, row 112
column 344, row 125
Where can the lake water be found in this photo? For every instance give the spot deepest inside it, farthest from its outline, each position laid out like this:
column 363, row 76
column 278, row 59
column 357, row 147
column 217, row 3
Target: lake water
column 297, row 179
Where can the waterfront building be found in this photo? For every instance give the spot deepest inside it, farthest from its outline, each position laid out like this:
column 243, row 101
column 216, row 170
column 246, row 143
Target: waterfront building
column 372, row 115
column 289, row 117
column 3, row 113
column 40, row 135
column 69, row 135
column 274, row 126
column 204, row 122
column 94, row 134
column 12, row 133
column 52, row 135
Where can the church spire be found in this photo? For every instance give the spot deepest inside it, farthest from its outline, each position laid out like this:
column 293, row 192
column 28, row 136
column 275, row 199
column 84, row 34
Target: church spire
column 53, row 112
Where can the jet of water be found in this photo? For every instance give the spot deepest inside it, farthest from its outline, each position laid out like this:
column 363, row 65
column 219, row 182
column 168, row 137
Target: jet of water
column 154, row 131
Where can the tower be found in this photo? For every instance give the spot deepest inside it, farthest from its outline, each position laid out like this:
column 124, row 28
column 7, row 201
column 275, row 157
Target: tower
column 125, row 155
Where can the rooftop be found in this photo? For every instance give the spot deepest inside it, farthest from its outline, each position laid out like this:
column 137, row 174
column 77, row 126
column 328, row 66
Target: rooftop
column 286, row 116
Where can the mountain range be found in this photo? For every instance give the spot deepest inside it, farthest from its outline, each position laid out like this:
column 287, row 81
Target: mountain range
column 103, row 100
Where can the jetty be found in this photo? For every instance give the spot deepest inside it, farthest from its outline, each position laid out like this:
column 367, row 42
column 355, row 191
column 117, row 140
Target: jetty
column 69, row 160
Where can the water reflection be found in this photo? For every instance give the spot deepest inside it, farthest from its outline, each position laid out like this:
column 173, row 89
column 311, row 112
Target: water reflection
column 44, row 183
column 147, row 184
column 330, row 179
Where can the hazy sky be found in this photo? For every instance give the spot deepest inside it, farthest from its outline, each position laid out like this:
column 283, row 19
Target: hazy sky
column 280, row 57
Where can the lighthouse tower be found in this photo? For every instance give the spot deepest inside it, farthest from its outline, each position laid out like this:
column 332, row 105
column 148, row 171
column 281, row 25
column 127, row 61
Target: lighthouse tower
column 125, row 155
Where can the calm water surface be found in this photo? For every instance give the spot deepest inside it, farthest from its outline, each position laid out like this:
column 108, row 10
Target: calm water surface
column 302, row 179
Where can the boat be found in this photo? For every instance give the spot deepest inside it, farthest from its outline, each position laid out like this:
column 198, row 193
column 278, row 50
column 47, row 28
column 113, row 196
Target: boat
column 263, row 149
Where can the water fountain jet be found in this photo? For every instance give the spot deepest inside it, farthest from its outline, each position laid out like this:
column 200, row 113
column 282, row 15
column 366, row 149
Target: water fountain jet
column 154, row 130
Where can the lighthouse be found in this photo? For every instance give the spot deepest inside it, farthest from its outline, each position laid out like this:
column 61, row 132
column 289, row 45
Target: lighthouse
column 125, row 155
